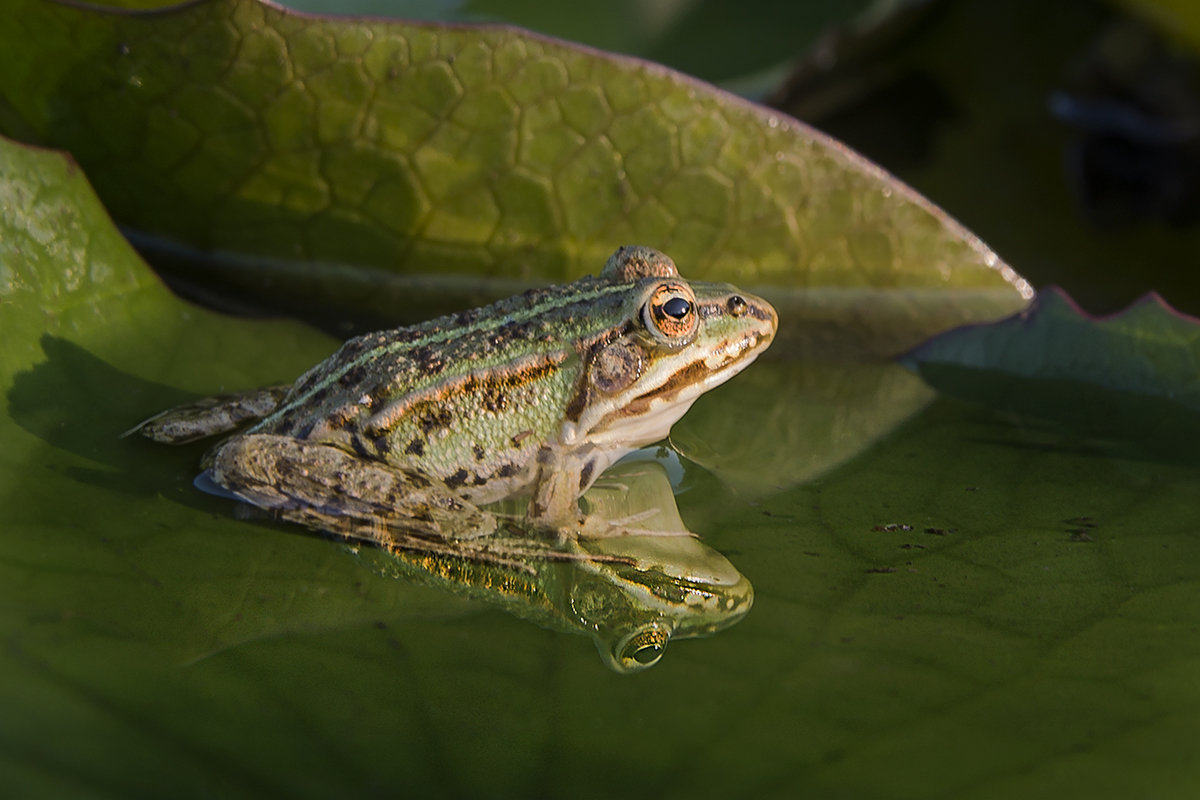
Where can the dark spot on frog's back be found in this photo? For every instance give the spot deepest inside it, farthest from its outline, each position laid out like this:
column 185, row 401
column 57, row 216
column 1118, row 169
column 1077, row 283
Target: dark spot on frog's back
column 381, row 444
column 492, row 392
column 507, row 332
column 431, row 418
column 465, row 318
column 349, row 377
column 360, row 447
column 427, row 360
column 300, row 428
column 507, row 470
column 493, row 398
column 478, row 452
column 340, row 417
column 457, row 480
column 318, row 397
column 415, row 448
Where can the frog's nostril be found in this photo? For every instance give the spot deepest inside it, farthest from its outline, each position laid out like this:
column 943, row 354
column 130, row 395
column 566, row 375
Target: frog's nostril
column 736, row 306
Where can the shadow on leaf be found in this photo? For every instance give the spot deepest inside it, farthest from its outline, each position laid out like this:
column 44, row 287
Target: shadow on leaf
column 79, row 403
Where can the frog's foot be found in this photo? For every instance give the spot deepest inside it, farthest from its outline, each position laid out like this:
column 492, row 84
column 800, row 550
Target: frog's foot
column 209, row 416
column 326, row 488
column 563, row 475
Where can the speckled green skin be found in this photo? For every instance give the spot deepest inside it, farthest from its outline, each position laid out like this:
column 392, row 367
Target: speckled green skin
column 535, row 394
column 478, row 392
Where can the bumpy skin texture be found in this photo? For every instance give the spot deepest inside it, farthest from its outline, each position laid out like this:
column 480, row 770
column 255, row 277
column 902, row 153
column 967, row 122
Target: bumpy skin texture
column 537, row 395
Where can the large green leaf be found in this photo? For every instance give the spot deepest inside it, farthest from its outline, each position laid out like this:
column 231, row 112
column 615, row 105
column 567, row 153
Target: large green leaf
column 967, row 610
column 233, row 126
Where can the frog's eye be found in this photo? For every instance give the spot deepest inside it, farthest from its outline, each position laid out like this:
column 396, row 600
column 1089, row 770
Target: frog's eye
column 670, row 313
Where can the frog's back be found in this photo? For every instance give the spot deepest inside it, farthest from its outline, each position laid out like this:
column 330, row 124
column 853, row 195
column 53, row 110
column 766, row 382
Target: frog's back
column 482, row 388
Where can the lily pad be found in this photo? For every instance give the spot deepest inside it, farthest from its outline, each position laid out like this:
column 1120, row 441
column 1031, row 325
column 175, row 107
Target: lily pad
column 1131, row 374
column 234, row 127
column 968, row 609
column 833, row 411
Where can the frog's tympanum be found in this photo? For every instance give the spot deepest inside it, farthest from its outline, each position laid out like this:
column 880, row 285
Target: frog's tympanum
column 408, row 432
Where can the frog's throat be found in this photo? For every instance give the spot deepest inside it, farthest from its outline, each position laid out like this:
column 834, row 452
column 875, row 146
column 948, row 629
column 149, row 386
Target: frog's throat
column 648, row 417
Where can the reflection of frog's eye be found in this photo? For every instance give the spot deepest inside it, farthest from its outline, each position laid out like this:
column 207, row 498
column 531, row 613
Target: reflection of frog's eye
column 670, row 312
column 643, row 649
column 645, row 655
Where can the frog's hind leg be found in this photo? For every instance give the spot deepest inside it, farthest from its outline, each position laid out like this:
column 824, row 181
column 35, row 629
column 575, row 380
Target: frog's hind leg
column 324, row 487
column 210, row 416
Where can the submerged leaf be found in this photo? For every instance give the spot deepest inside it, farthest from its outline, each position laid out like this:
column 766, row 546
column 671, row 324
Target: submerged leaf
column 1131, row 373
column 798, row 421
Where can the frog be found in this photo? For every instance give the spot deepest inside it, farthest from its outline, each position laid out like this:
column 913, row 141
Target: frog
column 418, row 428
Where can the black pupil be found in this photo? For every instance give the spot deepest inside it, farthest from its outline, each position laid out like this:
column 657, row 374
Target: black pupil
column 677, row 307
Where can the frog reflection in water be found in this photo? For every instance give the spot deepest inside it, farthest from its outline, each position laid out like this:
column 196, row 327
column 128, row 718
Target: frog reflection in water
column 631, row 595
column 407, row 432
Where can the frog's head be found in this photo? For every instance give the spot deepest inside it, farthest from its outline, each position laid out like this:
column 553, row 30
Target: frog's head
column 671, row 341
column 675, row 588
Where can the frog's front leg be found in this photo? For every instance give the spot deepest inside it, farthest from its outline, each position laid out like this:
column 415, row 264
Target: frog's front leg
column 566, row 474
column 327, row 488
column 210, row 416
column 563, row 475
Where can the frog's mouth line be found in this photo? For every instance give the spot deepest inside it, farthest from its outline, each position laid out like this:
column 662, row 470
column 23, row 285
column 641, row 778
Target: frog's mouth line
column 699, row 376
column 649, row 416
column 736, row 354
